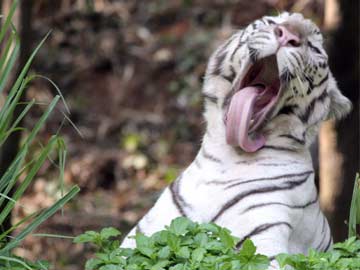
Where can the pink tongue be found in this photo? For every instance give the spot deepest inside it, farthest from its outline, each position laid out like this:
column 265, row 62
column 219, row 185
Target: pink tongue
column 238, row 120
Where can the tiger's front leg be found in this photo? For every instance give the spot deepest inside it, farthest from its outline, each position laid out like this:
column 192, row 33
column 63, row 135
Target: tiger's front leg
column 161, row 214
column 270, row 231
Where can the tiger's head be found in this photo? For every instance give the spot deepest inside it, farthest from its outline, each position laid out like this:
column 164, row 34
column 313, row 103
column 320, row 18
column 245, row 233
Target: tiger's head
column 271, row 78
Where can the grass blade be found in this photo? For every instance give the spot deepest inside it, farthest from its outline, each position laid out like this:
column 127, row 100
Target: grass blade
column 40, row 219
column 29, row 177
column 10, row 62
column 12, row 259
column 7, row 22
column 354, row 218
column 4, row 136
column 9, row 177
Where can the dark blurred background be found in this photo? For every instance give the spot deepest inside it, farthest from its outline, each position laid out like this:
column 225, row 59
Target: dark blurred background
column 131, row 73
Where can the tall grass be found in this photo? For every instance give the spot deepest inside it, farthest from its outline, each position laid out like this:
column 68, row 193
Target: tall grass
column 23, row 169
column 354, row 219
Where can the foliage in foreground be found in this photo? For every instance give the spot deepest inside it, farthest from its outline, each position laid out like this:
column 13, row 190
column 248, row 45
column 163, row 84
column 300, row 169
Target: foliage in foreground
column 182, row 245
column 186, row 245
column 24, row 168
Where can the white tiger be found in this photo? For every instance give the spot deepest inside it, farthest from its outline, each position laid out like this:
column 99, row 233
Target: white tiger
column 266, row 90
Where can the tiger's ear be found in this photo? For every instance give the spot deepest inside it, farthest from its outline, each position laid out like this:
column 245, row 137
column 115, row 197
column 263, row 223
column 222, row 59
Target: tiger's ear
column 340, row 106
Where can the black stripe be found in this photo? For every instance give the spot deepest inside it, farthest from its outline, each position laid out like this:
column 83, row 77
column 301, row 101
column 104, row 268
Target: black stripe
column 274, row 164
column 292, row 63
column 286, row 186
column 138, row 229
column 270, row 21
column 262, row 20
column 328, row 244
column 296, row 58
column 227, row 98
column 177, row 198
column 219, row 59
column 209, row 156
column 272, row 258
column 289, row 109
column 238, row 46
column 249, row 162
column 324, row 235
column 318, row 247
column 291, row 137
column 210, row 97
column 253, row 160
column 254, row 54
column 323, row 225
column 323, row 64
column 225, row 46
column 286, row 76
column 260, row 205
column 306, row 115
column 262, row 228
column 300, row 56
column 266, row 178
column 326, row 77
column 197, row 163
column 232, row 75
column 278, row 148
column 314, row 48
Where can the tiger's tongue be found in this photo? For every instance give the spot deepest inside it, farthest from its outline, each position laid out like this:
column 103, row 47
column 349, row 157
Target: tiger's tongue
column 238, row 118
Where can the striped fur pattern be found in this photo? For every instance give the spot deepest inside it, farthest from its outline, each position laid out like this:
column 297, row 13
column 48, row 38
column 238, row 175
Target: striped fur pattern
column 268, row 196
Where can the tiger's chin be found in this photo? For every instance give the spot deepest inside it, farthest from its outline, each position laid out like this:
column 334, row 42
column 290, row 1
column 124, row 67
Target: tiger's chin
column 252, row 104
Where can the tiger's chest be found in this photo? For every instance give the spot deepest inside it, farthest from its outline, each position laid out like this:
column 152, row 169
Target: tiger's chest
column 211, row 191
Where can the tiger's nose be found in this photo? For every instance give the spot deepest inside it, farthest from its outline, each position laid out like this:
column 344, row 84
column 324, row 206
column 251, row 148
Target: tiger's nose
column 287, row 37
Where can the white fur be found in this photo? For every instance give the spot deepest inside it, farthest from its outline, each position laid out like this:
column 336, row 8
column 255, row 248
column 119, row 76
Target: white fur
column 222, row 173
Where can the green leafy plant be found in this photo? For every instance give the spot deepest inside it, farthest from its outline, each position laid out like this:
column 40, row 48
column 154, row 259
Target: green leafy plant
column 23, row 169
column 182, row 245
column 342, row 256
column 187, row 245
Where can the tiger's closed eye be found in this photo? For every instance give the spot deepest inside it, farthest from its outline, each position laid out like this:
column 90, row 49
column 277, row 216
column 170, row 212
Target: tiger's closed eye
column 313, row 48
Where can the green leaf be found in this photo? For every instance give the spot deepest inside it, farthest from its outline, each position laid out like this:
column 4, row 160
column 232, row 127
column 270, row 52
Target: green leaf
column 198, row 254
column 179, row 226
column 92, row 264
column 160, row 265
column 164, row 253
column 248, row 249
column 184, row 252
column 257, row 262
column 173, row 241
column 106, row 233
column 89, row 236
column 226, row 238
column 144, row 245
column 111, row 267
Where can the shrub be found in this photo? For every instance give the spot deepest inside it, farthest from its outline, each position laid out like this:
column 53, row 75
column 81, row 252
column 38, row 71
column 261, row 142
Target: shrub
column 182, row 245
column 24, row 167
column 187, row 245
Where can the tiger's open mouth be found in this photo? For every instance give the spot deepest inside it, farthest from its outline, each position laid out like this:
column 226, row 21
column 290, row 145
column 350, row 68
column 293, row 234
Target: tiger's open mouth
column 255, row 97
